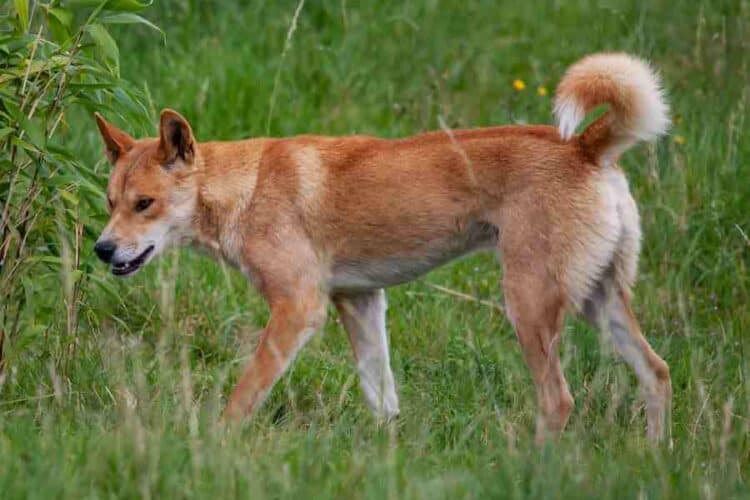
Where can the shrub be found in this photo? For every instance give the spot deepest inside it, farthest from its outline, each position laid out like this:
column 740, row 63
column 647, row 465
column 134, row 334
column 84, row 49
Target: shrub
column 57, row 61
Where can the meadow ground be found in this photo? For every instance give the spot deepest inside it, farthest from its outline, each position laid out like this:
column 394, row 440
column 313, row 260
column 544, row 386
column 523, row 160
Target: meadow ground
column 127, row 403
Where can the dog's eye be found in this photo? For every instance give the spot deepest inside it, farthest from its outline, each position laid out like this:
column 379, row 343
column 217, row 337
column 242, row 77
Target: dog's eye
column 143, row 204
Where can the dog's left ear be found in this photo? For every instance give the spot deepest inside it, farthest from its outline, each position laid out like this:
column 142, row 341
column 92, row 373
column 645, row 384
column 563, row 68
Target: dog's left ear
column 175, row 137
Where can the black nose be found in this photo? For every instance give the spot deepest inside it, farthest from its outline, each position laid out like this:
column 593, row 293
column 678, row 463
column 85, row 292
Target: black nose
column 105, row 250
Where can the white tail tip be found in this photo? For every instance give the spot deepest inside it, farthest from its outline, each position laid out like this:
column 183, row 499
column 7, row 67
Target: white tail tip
column 627, row 84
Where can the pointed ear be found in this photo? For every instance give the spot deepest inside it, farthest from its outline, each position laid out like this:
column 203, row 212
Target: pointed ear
column 116, row 142
column 175, row 137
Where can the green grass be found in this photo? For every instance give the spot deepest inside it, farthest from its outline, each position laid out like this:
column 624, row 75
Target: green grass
column 127, row 403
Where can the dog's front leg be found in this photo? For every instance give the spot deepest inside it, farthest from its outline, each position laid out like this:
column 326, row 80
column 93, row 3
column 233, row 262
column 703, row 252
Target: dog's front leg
column 292, row 323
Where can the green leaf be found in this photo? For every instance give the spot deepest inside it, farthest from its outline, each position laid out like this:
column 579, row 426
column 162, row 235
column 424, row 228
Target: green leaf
column 129, row 18
column 106, row 44
column 592, row 117
column 69, row 197
column 87, row 87
column 49, row 259
column 36, row 67
column 59, row 22
column 59, row 33
column 25, row 145
column 120, row 5
column 17, row 45
column 34, row 132
column 105, row 285
column 64, row 16
column 22, row 9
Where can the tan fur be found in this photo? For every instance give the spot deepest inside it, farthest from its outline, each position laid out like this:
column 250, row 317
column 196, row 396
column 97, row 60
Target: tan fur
column 311, row 218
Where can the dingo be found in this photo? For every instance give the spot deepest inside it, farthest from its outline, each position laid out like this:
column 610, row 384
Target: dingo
column 313, row 219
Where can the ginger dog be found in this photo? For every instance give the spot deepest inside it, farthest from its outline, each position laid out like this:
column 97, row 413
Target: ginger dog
column 314, row 220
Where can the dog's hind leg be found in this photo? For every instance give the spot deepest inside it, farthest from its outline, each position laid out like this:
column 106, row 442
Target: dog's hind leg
column 363, row 316
column 609, row 308
column 536, row 308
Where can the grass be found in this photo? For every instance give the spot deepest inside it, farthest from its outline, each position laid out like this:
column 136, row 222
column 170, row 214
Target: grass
column 127, row 403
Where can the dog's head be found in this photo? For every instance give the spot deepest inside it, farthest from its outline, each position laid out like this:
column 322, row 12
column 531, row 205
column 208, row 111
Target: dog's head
column 151, row 195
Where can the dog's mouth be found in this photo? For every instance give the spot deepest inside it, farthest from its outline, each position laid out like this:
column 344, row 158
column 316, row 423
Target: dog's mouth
column 129, row 267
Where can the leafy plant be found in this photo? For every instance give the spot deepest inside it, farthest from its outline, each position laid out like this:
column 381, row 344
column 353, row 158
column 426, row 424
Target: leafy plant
column 57, row 61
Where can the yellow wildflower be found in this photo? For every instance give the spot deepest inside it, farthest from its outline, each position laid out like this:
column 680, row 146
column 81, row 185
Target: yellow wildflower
column 541, row 91
column 519, row 85
column 679, row 139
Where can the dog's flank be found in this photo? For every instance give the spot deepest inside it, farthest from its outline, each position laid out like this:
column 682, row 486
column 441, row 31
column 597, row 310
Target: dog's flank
column 313, row 219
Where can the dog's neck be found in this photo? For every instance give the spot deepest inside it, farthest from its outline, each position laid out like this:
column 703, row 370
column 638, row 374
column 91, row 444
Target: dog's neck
column 226, row 174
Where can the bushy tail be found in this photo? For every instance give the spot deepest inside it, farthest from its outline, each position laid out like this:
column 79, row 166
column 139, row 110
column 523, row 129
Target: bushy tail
column 637, row 109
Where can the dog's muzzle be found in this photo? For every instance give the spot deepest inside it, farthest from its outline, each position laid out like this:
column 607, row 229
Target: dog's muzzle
column 123, row 268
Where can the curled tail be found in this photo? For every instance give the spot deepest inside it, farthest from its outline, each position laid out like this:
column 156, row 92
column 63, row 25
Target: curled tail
column 637, row 108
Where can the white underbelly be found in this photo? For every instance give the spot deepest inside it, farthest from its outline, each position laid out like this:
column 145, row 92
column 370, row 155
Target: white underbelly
column 368, row 274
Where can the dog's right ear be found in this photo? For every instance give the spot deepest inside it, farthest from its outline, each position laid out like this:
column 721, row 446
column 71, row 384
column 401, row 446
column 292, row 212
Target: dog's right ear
column 116, row 142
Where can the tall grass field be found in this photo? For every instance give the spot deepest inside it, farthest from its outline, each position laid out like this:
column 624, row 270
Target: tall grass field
column 115, row 388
